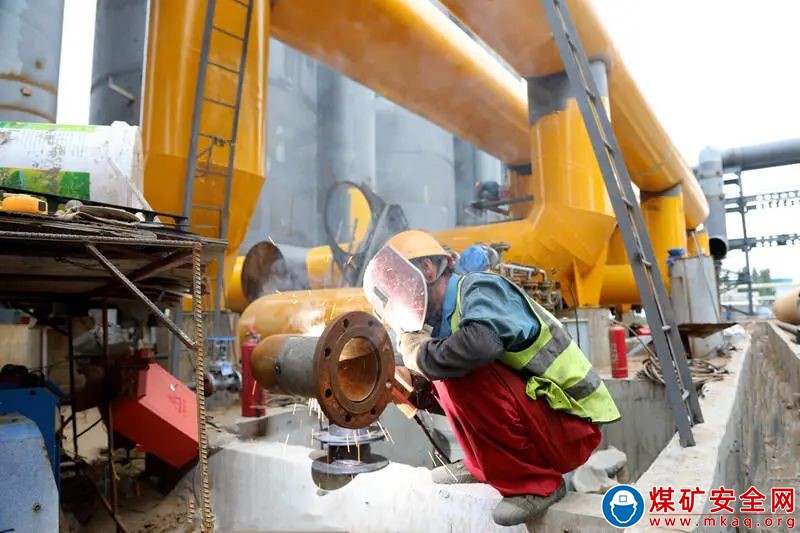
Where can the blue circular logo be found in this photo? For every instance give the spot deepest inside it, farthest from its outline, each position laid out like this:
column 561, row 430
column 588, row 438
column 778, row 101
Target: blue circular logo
column 623, row 506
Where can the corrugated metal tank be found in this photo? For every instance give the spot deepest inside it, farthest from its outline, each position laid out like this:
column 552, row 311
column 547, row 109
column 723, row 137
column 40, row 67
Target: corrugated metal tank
column 119, row 42
column 30, row 55
column 415, row 166
column 289, row 197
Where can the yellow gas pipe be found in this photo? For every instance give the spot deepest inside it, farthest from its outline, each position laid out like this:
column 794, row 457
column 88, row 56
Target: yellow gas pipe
column 421, row 60
column 519, row 32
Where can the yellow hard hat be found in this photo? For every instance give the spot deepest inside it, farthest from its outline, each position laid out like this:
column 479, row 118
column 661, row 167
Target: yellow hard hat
column 413, row 244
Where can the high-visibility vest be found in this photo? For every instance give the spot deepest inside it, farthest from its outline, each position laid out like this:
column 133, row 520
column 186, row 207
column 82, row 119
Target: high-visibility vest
column 556, row 368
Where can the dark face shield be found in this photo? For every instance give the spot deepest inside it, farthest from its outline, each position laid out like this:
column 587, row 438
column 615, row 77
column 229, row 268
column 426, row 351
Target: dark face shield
column 397, row 290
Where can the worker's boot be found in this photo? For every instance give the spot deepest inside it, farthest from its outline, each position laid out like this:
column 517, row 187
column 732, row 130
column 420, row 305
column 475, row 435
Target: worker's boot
column 452, row 473
column 514, row 510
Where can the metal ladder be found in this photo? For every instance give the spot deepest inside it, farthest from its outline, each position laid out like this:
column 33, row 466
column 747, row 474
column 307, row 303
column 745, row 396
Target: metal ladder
column 681, row 394
column 203, row 144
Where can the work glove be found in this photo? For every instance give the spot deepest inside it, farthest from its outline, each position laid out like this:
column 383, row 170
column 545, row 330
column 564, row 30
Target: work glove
column 410, row 345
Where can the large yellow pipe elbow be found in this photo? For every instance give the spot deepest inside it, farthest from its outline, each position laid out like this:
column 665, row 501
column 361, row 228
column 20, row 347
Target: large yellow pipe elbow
column 519, row 32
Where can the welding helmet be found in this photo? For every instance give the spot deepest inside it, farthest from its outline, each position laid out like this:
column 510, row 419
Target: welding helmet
column 396, row 289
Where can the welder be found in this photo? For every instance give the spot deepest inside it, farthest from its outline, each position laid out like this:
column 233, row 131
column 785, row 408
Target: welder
column 523, row 401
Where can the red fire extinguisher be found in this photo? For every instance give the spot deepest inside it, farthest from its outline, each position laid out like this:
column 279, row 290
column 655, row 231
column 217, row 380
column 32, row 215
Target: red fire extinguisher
column 253, row 396
column 619, row 352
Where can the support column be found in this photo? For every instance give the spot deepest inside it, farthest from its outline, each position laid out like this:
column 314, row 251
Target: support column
column 666, row 223
column 576, row 217
column 709, row 172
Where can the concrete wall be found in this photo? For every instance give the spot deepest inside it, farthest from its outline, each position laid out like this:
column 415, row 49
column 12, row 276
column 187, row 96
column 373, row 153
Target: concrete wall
column 769, row 428
column 646, row 425
column 751, row 433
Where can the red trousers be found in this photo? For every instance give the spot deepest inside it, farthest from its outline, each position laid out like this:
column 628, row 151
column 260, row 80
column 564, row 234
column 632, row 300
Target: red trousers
column 514, row 443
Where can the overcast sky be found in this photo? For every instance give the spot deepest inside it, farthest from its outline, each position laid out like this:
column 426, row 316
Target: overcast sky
column 716, row 72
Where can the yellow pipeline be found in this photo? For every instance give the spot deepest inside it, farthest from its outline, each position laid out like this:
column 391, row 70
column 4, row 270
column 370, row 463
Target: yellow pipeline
column 174, row 37
column 570, row 221
column 697, row 243
column 235, row 299
column 519, row 32
column 410, row 52
column 300, row 312
column 568, row 225
column 419, row 59
column 663, row 215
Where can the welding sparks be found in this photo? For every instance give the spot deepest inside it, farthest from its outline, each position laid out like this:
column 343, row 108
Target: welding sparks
column 286, row 442
column 385, row 432
column 294, row 408
column 444, row 465
column 269, row 238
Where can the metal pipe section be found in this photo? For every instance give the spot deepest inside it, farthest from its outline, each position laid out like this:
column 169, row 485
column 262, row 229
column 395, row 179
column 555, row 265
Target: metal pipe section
column 265, row 269
column 774, row 154
column 349, row 369
column 787, row 307
column 664, row 217
column 30, row 40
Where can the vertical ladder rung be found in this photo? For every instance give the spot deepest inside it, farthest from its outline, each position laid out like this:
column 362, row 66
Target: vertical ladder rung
column 666, row 327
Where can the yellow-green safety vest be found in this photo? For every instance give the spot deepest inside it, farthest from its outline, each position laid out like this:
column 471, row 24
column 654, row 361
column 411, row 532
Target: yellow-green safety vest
column 556, row 368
